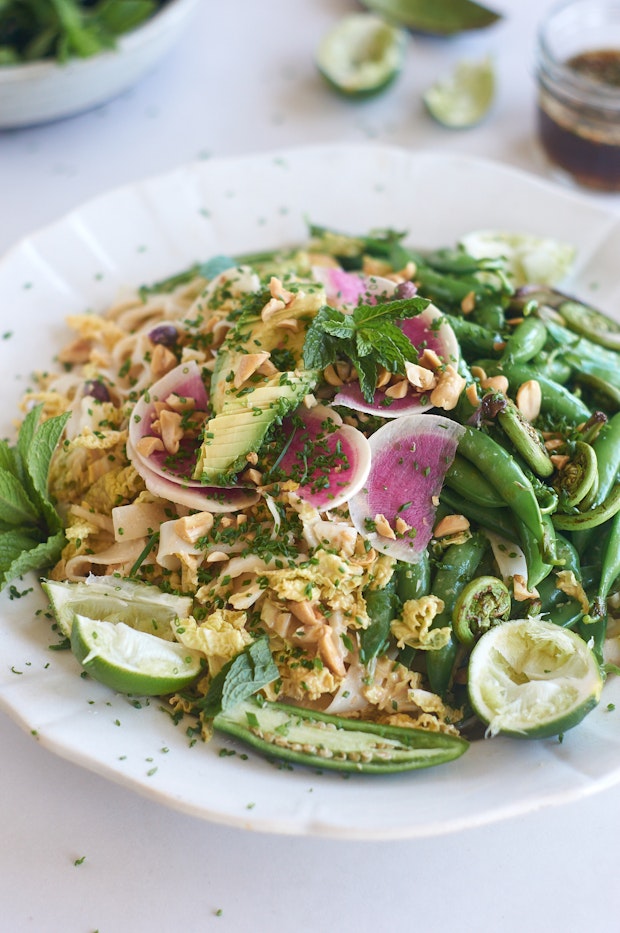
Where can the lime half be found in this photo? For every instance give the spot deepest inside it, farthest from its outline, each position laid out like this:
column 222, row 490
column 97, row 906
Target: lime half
column 464, row 97
column 116, row 599
column 361, row 55
column 532, row 679
column 530, row 259
column 132, row 662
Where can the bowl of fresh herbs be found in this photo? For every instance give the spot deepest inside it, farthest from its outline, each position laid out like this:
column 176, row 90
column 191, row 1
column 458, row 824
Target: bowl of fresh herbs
column 62, row 57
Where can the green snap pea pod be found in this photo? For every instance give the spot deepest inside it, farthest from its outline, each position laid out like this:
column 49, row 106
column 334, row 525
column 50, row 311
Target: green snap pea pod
column 525, row 341
column 414, row 580
column 600, row 387
column 499, row 520
column 579, row 521
column 606, row 446
column 609, row 571
column 552, row 366
column 458, row 262
column 537, row 568
column 481, row 604
column 525, row 438
column 506, row 476
column 445, row 288
column 548, row 591
column 600, row 328
column 457, row 568
column 319, row 740
column 556, row 400
column 490, row 315
column 574, row 481
column 381, row 608
column 474, row 339
column 584, row 349
column 464, row 478
column 464, row 409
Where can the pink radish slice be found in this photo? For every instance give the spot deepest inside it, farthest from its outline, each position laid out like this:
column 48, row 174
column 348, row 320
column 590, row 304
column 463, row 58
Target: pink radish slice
column 428, row 330
column 194, row 495
column 409, row 459
column 186, row 381
column 332, row 458
column 352, row 288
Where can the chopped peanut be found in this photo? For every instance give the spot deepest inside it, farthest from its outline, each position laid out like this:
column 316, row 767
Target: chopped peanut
column 180, row 403
column 529, row 399
column 448, row 389
column 148, row 444
column 419, row 377
column 451, row 525
column 383, row 527
column 520, row 590
column 559, row 460
column 278, row 291
column 471, row 393
column 171, row 430
column 248, row 364
column 272, row 307
column 162, row 361
column 401, row 526
column 468, row 303
column 397, row 389
column 193, row 527
column 330, row 376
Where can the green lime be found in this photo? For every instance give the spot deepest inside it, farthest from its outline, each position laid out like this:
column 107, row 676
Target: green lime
column 132, row 662
column 116, row 599
column 361, row 55
column 529, row 258
column 593, row 324
column 464, row 97
column 532, row 679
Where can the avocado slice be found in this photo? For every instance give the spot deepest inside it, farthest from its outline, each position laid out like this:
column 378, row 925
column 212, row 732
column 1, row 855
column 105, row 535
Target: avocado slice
column 251, row 335
column 241, row 427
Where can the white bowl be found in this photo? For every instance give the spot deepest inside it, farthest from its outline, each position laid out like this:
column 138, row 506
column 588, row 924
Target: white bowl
column 41, row 91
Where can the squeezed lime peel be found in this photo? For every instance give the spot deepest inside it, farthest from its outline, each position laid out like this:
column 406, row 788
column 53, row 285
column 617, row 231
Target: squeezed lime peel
column 534, row 679
column 361, row 55
column 463, row 98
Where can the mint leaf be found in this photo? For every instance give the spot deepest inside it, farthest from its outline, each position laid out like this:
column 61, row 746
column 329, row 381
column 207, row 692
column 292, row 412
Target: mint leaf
column 27, row 432
column 34, row 556
column 247, row 673
column 40, row 452
column 12, row 544
column 383, row 311
column 15, row 505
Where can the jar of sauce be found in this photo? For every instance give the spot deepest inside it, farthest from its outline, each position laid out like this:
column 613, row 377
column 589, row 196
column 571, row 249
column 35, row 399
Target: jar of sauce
column 579, row 91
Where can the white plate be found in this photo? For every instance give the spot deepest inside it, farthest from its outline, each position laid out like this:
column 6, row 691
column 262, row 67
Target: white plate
column 160, row 226
column 40, row 91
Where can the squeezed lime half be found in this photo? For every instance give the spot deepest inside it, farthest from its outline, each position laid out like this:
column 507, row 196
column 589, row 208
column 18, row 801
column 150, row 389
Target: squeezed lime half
column 361, row 55
column 532, row 679
column 463, row 98
column 132, row 662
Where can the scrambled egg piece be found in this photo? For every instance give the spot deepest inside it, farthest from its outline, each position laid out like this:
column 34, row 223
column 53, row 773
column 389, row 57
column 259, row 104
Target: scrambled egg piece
column 414, row 627
column 220, row 637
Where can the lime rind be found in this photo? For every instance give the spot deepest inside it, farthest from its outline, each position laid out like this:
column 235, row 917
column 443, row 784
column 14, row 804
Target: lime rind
column 530, row 678
column 361, row 55
column 530, row 259
column 108, row 598
column 463, row 98
column 132, row 662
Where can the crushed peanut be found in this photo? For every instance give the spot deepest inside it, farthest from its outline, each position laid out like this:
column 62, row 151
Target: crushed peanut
column 529, row 399
column 451, row 525
column 383, row 527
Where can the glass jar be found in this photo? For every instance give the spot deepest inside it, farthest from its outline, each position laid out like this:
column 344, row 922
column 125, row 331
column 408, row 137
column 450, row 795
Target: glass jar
column 578, row 73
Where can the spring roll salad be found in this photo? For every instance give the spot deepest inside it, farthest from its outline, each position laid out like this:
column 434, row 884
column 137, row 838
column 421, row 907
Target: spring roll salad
column 352, row 503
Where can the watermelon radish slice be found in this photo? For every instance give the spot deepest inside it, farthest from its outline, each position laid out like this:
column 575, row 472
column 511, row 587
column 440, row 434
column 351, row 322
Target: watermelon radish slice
column 194, row 496
column 410, row 456
column 352, row 288
column 428, row 330
column 330, row 459
column 171, row 477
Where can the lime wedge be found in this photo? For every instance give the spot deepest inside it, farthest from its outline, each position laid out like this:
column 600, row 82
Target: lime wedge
column 532, row 679
column 463, row 98
column 361, row 55
column 529, row 258
column 132, row 662
column 108, row 598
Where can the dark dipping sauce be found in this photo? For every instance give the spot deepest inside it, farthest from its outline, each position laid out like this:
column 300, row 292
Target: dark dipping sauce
column 583, row 138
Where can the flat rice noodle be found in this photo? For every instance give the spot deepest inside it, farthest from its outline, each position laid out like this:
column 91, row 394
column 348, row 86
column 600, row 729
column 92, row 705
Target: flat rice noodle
column 333, row 463
column 427, row 330
column 410, row 457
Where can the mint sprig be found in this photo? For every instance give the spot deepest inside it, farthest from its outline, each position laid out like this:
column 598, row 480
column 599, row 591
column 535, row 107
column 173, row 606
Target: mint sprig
column 31, row 530
column 368, row 338
column 247, row 673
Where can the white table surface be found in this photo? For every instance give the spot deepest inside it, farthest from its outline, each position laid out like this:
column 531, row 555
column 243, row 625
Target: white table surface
column 243, row 80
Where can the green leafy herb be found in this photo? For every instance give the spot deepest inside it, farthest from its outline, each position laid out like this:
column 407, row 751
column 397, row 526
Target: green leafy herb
column 368, row 337
column 31, row 531
column 63, row 29
column 247, row 673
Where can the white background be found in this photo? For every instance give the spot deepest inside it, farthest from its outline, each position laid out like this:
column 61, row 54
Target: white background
column 243, row 80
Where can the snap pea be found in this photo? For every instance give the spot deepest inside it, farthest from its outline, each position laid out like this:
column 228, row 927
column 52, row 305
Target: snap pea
column 474, row 339
column 458, row 566
column 467, row 480
column 607, row 449
column 381, row 609
column 549, row 593
column 499, row 520
column 537, row 568
column 414, row 580
column 489, row 314
column 610, row 569
column 505, row 474
column 556, row 400
column 526, row 340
